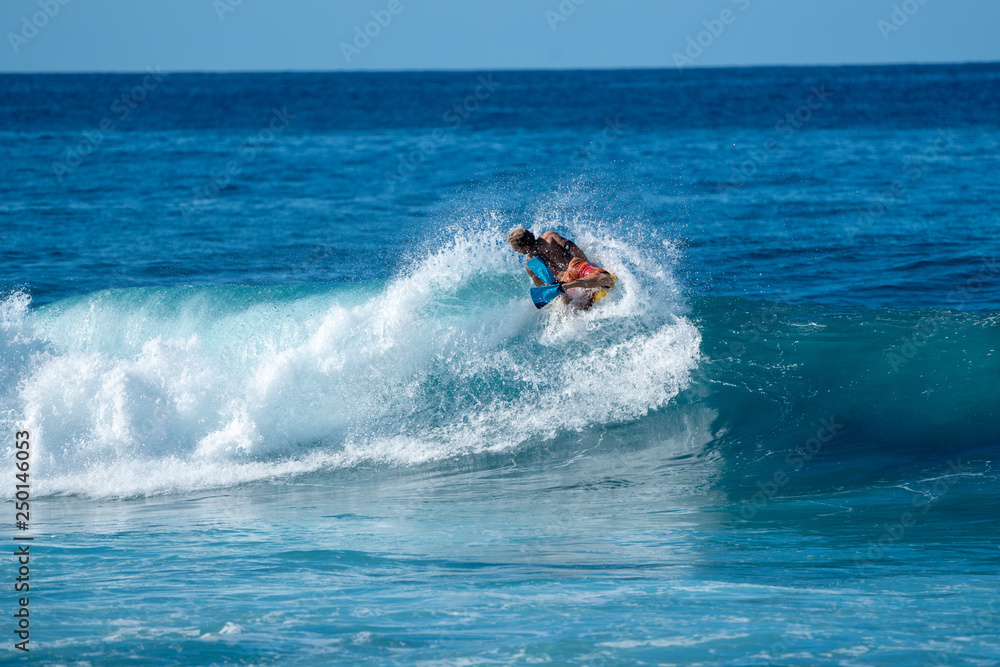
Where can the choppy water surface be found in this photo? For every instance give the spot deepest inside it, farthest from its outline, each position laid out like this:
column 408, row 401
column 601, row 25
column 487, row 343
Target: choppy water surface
column 306, row 414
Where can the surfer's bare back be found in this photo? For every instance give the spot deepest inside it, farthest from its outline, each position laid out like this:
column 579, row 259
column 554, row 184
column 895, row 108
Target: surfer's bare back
column 565, row 259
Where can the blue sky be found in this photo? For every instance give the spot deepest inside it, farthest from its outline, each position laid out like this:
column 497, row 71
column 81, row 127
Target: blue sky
column 258, row 35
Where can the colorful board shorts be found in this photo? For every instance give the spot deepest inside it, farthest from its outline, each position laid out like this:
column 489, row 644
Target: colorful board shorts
column 581, row 269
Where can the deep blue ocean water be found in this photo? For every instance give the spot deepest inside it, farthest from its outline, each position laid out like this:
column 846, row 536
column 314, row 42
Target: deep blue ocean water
column 289, row 402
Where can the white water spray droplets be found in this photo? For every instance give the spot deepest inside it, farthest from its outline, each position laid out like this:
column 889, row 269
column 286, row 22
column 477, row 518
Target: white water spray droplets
column 18, row 341
column 137, row 392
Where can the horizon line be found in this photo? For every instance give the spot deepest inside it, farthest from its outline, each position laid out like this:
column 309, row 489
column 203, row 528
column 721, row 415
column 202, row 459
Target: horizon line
column 516, row 69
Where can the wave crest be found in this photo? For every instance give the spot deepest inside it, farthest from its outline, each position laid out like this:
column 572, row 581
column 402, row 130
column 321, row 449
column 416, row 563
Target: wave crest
column 143, row 391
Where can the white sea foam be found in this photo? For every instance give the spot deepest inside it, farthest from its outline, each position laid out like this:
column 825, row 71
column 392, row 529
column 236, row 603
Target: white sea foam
column 138, row 392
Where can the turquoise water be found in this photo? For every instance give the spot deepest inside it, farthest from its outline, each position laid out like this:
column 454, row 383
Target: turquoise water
column 316, row 419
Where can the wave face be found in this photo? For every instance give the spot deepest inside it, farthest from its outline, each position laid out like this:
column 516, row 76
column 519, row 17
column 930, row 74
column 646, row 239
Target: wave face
column 151, row 390
column 838, row 398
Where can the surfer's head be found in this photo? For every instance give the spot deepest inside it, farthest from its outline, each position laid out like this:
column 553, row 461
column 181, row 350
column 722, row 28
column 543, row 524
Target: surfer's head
column 521, row 240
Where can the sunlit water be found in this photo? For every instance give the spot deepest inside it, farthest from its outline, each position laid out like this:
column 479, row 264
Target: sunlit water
column 311, row 417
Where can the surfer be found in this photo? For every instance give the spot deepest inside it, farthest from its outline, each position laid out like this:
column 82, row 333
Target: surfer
column 568, row 264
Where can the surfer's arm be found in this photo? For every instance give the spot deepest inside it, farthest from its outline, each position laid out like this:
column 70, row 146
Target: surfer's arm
column 594, row 280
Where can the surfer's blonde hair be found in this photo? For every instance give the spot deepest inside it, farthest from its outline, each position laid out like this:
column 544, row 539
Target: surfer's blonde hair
column 521, row 238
